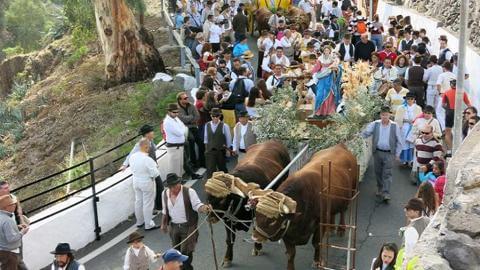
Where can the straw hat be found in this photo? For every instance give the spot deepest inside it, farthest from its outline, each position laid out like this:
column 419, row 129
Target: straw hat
column 248, row 55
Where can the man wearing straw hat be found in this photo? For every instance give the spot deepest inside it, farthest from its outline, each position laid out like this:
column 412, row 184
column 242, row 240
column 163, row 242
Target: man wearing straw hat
column 180, row 216
column 10, row 235
column 64, row 259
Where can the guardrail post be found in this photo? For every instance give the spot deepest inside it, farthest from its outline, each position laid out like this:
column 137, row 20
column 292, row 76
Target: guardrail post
column 197, row 76
column 182, row 56
column 94, row 199
column 170, row 35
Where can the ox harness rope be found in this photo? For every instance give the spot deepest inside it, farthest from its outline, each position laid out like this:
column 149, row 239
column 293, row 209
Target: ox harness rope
column 285, row 225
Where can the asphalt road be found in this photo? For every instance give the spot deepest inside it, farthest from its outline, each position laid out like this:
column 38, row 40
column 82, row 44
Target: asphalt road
column 377, row 223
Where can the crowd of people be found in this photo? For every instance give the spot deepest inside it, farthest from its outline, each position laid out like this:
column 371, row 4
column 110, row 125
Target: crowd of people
column 209, row 125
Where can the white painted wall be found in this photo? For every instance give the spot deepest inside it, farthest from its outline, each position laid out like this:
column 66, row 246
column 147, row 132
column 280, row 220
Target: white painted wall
column 76, row 225
column 433, row 32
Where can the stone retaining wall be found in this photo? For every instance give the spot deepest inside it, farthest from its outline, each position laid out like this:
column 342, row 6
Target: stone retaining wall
column 452, row 240
column 448, row 12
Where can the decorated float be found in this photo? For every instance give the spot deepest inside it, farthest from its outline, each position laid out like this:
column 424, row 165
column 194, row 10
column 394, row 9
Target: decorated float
column 291, row 116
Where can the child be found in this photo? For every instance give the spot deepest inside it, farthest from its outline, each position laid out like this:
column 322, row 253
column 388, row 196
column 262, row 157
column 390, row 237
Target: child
column 431, row 172
column 138, row 255
column 387, row 258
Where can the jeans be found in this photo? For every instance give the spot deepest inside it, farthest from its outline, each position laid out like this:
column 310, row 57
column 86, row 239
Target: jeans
column 377, row 39
column 239, row 107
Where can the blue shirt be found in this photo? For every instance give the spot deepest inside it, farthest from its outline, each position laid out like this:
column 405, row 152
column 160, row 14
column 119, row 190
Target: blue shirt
column 239, row 49
column 178, row 21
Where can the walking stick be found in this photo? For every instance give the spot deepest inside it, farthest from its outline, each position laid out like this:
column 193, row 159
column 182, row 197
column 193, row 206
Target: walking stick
column 213, row 246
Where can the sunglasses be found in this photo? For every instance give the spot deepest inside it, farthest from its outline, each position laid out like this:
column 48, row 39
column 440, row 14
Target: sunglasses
column 215, row 116
column 174, row 112
column 471, row 124
column 425, row 133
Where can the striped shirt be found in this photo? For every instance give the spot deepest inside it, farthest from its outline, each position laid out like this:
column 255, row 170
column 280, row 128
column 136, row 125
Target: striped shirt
column 428, row 150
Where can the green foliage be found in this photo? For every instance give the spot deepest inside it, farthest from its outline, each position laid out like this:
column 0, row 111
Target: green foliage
column 77, row 56
column 137, row 5
column 27, row 21
column 162, row 104
column 80, row 13
column 344, row 128
column 11, row 51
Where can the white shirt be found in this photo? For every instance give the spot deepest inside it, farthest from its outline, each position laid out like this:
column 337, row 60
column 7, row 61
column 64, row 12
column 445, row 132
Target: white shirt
column 243, row 131
column 327, row 8
column 272, row 82
column 148, row 251
column 448, row 54
column 176, row 209
column 81, row 267
column 143, row 167
column 347, row 57
column 411, row 237
column 444, row 81
column 215, row 33
column 306, row 6
column 265, row 44
column 174, row 130
column 274, row 60
column 431, row 74
column 199, row 48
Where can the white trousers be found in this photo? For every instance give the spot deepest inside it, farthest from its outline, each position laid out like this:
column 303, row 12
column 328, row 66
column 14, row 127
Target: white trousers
column 432, row 95
column 175, row 160
column 144, row 202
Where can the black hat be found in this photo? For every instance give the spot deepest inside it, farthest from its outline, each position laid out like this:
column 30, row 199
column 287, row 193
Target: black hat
column 63, row 248
column 243, row 114
column 172, row 107
column 145, row 129
column 135, row 236
column 410, row 95
column 415, row 204
column 215, row 112
column 385, row 109
column 172, row 180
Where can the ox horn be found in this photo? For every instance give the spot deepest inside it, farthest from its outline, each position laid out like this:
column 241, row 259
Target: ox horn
column 237, row 191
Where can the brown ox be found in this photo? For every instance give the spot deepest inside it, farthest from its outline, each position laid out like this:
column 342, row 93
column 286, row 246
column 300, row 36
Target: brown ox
column 296, row 224
column 261, row 18
column 261, row 164
column 297, row 16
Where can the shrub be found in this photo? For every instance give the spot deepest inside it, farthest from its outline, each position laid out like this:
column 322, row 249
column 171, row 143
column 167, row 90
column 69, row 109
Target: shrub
column 26, row 20
column 11, row 51
column 77, row 55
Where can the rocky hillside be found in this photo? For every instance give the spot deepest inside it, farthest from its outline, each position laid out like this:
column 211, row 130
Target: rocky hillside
column 68, row 102
column 448, row 12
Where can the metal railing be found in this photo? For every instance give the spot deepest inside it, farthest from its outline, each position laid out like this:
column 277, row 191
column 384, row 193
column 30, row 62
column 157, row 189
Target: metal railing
column 296, row 164
column 89, row 176
column 185, row 52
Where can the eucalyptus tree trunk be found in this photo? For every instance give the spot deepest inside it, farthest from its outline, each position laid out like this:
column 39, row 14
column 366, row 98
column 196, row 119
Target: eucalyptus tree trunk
column 130, row 54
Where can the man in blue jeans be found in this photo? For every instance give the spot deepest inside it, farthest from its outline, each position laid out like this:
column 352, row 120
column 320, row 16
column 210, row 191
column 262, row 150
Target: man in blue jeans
column 387, row 145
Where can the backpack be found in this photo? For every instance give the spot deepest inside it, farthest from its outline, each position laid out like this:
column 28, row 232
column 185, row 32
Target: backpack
column 362, row 27
column 239, row 92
